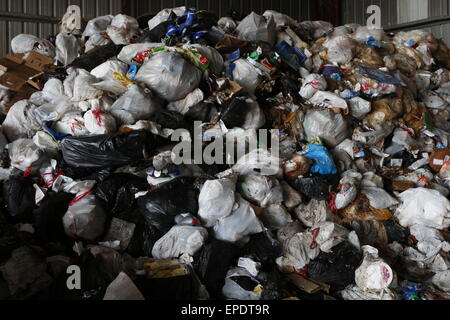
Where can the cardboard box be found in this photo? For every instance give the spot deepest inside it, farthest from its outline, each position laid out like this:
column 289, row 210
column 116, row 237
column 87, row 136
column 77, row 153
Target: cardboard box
column 18, row 71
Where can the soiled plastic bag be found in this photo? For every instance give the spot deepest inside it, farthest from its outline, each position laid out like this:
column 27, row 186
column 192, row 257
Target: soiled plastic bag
column 340, row 49
column 169, row 75
column 99, row 122
column 313, row 213
column 216, row 200
column 374, row 274
column 67, row 48
column 24, row 43
column 261, row 190
column 312, row 83
column 20, row 121
column 134, row 105
column 233, row 290
column 248, row 77
column 424, row 207
column 326, row 125
column 85, row 218
column 180, row 240
column 257, row 28
column 97, row 25
column 24, row 154
column 240, row 224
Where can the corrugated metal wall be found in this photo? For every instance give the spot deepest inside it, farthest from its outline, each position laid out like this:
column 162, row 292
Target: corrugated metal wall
column 354, row 11
column 298, row 9
column 47, row 10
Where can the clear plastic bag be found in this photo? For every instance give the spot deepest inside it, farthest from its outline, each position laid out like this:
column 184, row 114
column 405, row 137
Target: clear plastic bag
column 326, row 125
column 341, row 49
column 261, row 190
column 247, row 76
column 169, row 75
column 97, row 25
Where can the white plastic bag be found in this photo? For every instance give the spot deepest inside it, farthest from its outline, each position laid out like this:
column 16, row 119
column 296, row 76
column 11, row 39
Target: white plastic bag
column 261, row 190
column 180, row 240
column 67, row 48
column 349, row 189
column 106, row 69
column 99, row 122
column 24, row 154
column 97, row 40
column 241, row 223
column 232, row 290
column 259, row 161
column 84, row 218
column 134, row 105
column 24, row 43
column 163, row 16
column 182, row 106
column 328, row 100
column 359, row 107
column 312, row 83
column 169, row 75
column 83, row 89
column 122, row 288
column 313, row 213
column 379, row 198
column 374, row 274
column 257, row 28
column 247, row 76
column 424, row 207
column 216, row 200
column 340, row 49
column 20, row 122
column 328, row 126
column 130, row 51
column 97, row 25
column 72, row 123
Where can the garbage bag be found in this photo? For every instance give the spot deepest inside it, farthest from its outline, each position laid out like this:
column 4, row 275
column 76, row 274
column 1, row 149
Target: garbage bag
column 25, row 155
column 96, row 57
column 118, row 192
column 99, row 121
column 48, row 217
column 19, row 196
column 262, row 191
column 423, row 207
column 97, row 25
column 323, row 161
column 67, row 48
column 20, row 121
column 311, row 84
column 123, row 288
column 326, row 125
column 257, row 28
column 336, row 268
column 374, row 274
column 180, row 240
column 216, row 200
column 313, row 186
column 134, row 105
column 160, row 207
column 247, row 76
column 169, row 75
column 241, row 223
column 85, row 218
column 241, row 285
column 24, row 43
column 212, row 264
column 108, row 150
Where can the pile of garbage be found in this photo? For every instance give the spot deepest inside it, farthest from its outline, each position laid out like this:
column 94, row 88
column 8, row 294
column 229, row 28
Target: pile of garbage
column 350, row 201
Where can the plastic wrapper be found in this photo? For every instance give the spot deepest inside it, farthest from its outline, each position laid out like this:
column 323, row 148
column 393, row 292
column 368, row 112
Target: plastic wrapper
column 169, row 75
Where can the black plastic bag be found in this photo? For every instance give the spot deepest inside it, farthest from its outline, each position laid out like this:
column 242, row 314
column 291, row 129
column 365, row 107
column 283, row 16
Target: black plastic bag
column 395, row 232
column 105, row 151
column 213, row 263
column 170, row 120
column 19, row 195
column 264, row 248
column 117, row 192
column 48, row 217
column 337, row 268
column 161, row 205
column 202, row 111
column 11, row 240
column 234, row 112
column 96, row 57
column 315, row 187
column 144, row 237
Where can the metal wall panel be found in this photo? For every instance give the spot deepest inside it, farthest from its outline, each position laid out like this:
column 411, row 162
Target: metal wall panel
column 298, row 9
column 353, row 11
column 47, row 10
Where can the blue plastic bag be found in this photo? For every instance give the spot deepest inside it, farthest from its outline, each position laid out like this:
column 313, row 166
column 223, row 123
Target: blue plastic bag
column 382, row 76
column 293, row 56
column 324, row 163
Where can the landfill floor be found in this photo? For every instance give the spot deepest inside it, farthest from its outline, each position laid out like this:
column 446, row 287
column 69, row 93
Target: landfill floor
column 185, row 157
